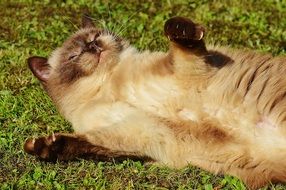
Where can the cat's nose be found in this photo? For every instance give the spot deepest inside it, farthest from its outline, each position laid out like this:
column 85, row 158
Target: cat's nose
column 94, row 46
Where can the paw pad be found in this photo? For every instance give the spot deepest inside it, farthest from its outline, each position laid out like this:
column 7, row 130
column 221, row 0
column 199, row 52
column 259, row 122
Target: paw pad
column 180, row 28
column 46, row 148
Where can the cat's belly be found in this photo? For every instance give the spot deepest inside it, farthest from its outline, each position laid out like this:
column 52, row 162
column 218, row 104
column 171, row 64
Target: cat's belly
column 246, row 122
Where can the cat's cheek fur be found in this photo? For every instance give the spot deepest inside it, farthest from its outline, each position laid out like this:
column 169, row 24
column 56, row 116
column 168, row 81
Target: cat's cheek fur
column 89, row 63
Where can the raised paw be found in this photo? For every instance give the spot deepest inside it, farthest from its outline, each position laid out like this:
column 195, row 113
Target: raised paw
column 48, row 148
column 183, row 28
column 183, row 31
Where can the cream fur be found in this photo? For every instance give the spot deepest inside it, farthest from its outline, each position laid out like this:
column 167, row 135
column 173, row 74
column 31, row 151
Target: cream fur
column 178, row 110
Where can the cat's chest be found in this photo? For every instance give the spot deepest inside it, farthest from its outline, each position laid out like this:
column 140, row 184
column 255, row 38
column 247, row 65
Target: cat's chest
column 160, row 97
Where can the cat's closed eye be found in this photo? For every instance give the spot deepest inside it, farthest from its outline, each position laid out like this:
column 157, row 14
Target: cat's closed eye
column 73, row 56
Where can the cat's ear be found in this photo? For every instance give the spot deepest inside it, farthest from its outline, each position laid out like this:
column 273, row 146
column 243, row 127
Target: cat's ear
column 39, row 67
column 87, row 22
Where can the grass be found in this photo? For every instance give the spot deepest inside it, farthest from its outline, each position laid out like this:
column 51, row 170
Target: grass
column 30, row 27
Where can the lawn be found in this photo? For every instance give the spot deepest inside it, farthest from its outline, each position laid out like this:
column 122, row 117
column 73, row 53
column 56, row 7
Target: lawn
column 30, row 27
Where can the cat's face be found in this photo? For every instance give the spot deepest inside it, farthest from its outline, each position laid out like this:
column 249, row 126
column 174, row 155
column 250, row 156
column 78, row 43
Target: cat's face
column 88, row 52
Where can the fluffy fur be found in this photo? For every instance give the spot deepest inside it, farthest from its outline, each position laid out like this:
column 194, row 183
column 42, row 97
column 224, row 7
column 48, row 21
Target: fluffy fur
column 220, row 109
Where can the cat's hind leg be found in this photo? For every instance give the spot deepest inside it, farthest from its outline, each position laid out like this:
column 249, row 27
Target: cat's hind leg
column 70, row 146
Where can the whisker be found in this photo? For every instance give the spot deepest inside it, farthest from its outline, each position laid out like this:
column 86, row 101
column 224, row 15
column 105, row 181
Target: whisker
column 122, row 29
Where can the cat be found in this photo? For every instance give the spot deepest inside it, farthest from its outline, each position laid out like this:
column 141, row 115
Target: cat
column 220, row 109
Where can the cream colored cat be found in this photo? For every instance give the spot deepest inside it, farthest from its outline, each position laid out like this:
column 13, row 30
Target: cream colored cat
column 216, row 108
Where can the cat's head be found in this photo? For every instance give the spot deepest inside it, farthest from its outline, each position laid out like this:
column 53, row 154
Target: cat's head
column 89, row 51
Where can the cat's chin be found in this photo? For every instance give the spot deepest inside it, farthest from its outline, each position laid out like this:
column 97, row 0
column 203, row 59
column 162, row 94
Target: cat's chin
column 97, row 57
column 102, row 56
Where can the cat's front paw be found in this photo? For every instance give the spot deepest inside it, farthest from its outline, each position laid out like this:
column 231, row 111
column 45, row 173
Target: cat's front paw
column 183, row 31
column 47, row 148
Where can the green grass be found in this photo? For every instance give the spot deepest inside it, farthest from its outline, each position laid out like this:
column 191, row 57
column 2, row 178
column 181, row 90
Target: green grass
column 29, row 27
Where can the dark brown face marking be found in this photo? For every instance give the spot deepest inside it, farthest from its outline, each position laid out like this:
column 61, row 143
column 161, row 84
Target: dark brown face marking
column 89, row 45
column 70, row 72
column 79, row 56
column 71, row 66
